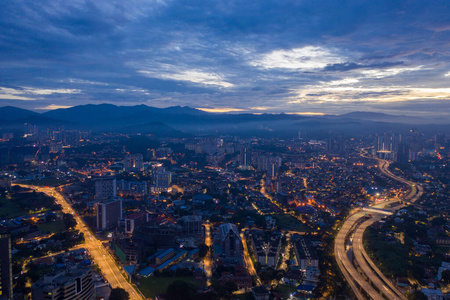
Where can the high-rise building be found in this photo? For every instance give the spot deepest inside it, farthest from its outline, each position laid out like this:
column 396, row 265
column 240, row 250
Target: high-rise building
column 109, row 213
column 6, row 289
column 228, row 244
column 403, row 153
column 336, row 145
column 163, row 178
column 105, row 187
column 387, row 142
column 133, row 163
column 74, row 283
column 246, row 157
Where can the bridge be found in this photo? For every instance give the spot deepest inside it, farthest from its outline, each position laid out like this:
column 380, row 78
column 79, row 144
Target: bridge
column 378, row 210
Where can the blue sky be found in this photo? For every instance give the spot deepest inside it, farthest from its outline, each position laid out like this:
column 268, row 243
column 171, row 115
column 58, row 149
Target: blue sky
column 239, row 56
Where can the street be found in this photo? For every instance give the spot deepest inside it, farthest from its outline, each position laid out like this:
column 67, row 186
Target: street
column 99, row 254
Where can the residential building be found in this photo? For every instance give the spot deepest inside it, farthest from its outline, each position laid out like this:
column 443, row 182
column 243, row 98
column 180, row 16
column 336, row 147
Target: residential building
column 163, row 178
column 305, row 254
column 228, row 244
column 133, row 163
column 134, row 220
column 109, row 213
column 267, row 249
column 72, row 283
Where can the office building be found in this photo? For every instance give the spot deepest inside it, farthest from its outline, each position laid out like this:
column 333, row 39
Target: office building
column 6, row 283
column 109, row 213
column 105, row 187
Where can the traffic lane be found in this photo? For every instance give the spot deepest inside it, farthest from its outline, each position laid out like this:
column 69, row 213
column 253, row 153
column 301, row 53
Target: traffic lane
column 341, row 253
column 357, row 251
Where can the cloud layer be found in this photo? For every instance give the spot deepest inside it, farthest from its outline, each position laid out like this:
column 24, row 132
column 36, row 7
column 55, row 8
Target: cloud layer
column 258, row 56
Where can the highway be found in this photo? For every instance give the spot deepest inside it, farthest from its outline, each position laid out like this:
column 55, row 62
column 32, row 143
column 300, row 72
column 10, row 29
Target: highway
column 369, row 269
column 353, row 277
column 416, row 190
column 99, row 254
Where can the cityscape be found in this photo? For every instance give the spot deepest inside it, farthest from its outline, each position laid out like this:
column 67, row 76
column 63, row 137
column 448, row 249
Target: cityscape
column 176, row 150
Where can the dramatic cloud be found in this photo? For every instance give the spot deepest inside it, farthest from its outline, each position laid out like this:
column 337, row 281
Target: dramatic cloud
column 305, row 57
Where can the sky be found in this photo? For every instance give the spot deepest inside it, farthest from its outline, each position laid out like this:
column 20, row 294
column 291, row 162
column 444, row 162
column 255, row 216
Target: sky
column 306, row 57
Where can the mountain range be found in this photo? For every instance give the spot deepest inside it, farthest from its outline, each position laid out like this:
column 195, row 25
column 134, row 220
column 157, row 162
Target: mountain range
column 177, row 121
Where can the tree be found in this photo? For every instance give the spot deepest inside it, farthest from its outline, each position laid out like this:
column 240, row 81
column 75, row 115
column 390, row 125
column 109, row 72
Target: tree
column 119, row 294
column 69, row 221
column 258, row 266
column 203, row 250
column 180, row 290
column 417, row 295
column 439, row 221
column 230, row 287
column 446, row 276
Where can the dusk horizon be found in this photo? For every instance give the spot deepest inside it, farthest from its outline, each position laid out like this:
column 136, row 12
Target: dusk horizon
column 224, row 150
column 323, row 57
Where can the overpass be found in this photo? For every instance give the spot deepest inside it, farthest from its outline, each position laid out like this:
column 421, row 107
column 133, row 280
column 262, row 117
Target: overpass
column 378, row 210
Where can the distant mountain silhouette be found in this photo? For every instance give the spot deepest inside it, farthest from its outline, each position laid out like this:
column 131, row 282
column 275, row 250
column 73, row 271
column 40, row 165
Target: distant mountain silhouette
column 91, row 113
column 157, row 129
column 374, row 116
column 178, row 121
column 10, row 113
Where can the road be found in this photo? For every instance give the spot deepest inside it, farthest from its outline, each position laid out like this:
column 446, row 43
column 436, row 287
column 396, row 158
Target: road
column 353, row 277
column 416, row 190
column 99, row 254
column 207, row 260
column 367, row 265
column 248, row 260
column 285, row 255
column 368, row 268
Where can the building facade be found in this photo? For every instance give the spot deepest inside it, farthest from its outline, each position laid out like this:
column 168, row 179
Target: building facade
column 105, row 187
column 133, row 163
column 73, row 283
column 6, row 282
column 228, row 244
column 109, row 213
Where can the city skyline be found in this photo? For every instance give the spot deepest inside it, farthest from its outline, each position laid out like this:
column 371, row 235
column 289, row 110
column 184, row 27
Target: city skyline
column 292, row 57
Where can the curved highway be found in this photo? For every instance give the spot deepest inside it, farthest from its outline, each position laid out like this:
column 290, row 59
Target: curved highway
column 375, row 278
column 383, row 284
column 367, row 264
column 416, row 190
column 353, row 277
